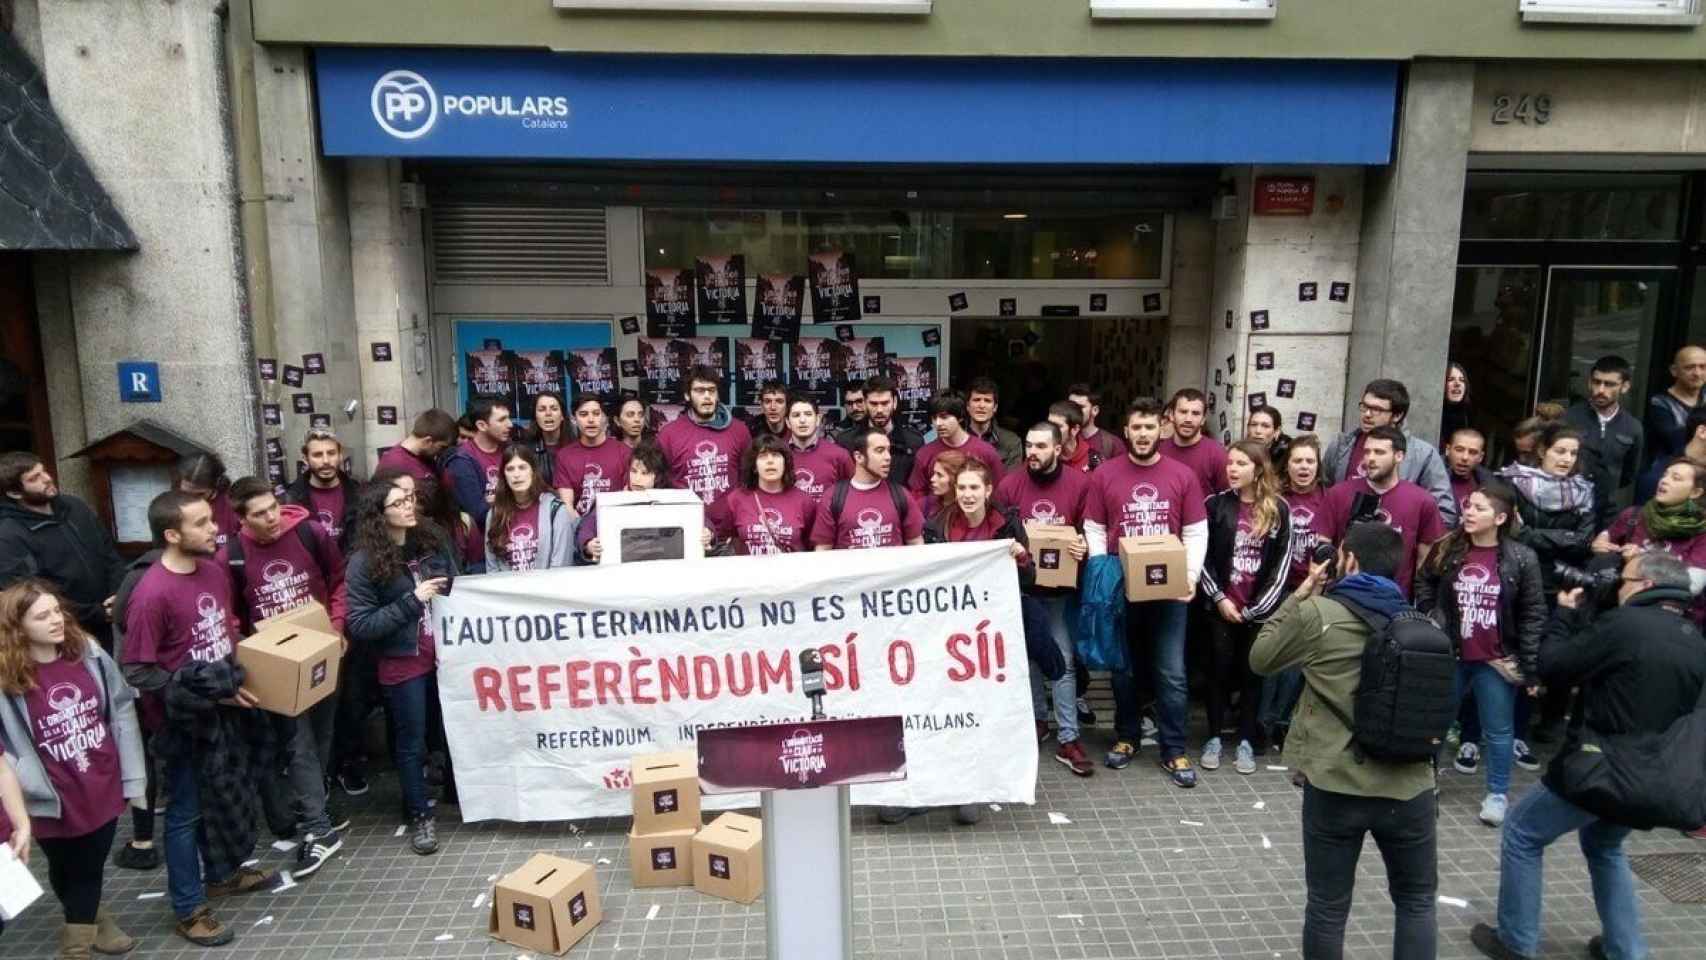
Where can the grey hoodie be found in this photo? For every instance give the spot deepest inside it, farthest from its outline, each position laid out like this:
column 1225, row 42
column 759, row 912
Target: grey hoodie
column 556, row 536
column 1422, row 466
column 39, row 796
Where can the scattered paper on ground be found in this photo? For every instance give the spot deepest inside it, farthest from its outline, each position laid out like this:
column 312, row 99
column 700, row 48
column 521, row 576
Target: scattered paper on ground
column 443, row 937
column 587, row 845
column 1453, row 902
column 1278, row 768
column 652, row 914
column 1069, row 916
column 492, row 879
column 1057, row 819
column 263, row 921
column 284, row 846
column 996, row 807
column 400, row 831
column 149, row 896
column 1266, row 843
column 479, row 900
column 1259, row 805
column 1191, row 823
column 250, row 863
column 604, row 861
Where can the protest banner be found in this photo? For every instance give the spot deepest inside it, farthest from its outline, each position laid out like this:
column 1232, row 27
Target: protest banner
column 551, row 681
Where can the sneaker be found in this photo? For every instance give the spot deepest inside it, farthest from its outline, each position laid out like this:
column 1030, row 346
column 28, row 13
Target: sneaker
column 315, row 851
column 1211, row 754
column 1468, row 759
column 1042, row 731
column 340, row 820
column 1493, row 809
column 1245, row 760
column 1699, row 833
column 1523, row 756
column 1121, row 755
column 1086, row 716
column 1455, row 734
column 1486, row 939
column 1071, row 753
column 967, row 814
column 132, row 857
column 1179, row 768
column 353, row 782
column 894, row 815
column 201, row 929
column 425, row 840
column 245, row 880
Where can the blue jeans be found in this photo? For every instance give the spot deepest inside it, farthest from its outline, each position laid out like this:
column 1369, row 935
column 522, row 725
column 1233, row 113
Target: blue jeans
column 408, row 702
column 1065, row 689
column 1536, row 820
column 1495, row 709
column 185, row 859
column 1165, row 621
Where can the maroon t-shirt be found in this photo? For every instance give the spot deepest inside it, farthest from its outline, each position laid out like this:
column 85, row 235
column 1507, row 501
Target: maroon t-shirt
column 701, row 459
column 868, row 519
column 225, row 518
column 1108, row 444
column 589, row 471
column 280, row 576
column 1477, row 589
column 1061, row 499
column 821, row 466
column 1246, row 559
column 521, row 545
column 491, row 464
column 68, row 726
column 1142, row 501
column 1406, row 508
column 395, row 670
column 919, row 481
column 327, row 507
column 1629, row 529
column 1308, row 521
column 399, row 458
column 1353, row 466
column 1461, row 488
column 1206, row 458
column 173, row 618
column 762, row 522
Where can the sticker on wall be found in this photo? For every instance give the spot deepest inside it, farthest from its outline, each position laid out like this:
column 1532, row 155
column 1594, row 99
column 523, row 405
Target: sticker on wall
column 268, row 367
column 1339, row 291
column 669, row 303
column 275, row 471
column 777, row 306
column 1265, row 360
column 381, row 351
column 1258, row 319
column 1009, row 307
column 1305, row 421
column 292, row 376
column 722, row 288
column 834, row 276
column 1217, row 380
column 387, row 415
column 1151, row 303
column 1211, row 398
column 275, row 448
column 1258, row 399
column 271, row 415
column 1287, row 388
column 630, row 368
column 957, row 302
column 1229, row 319
column 1229, row 393
column 320, row 421
column 933, row 337
column 1306, row 291
column 1231, row 363
column 872, row 304
column 630, row 325
column 1099, row 303
column 1226, row 438
column 302, row 402
column 1223, row 419
column 844, row 332
column 314, row 363
column 302, row 467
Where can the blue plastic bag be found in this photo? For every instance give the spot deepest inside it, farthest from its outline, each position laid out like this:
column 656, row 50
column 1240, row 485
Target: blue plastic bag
column 1099, row 607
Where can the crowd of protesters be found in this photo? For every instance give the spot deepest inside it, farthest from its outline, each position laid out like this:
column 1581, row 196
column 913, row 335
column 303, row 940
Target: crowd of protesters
column 119, row 688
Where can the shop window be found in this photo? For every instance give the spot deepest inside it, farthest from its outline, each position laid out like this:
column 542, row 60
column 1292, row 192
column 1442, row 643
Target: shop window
column 919, row 244
column 1680, row 13
column 1568, row 206
column 1495, row 321
column 1183, row 9
column 837, row 7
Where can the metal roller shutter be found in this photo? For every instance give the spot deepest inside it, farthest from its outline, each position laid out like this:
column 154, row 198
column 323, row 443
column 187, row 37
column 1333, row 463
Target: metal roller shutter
column 476, row 242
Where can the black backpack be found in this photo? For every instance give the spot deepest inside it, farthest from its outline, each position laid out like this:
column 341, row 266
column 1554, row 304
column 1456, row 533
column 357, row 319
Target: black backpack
column 838, row 500
column 1404, row 701
column 1644, row 779
column 240, row 573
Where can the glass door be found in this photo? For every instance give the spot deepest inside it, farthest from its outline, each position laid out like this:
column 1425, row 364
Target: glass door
column 1495, row 325
column 1593, row 312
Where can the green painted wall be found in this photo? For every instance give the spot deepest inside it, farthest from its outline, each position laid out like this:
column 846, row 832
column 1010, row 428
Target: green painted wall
column 1322, row 29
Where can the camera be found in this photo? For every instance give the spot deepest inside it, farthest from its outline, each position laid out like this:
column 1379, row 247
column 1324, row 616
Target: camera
column 432, row 567
column 1589, row 581
column 1365, row 508
column 1325, row 552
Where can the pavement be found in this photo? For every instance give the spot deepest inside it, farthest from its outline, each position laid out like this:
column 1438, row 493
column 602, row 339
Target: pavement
column 1124, row 878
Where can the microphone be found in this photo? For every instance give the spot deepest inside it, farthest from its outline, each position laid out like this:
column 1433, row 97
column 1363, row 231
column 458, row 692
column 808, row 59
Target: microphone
column 811, row 680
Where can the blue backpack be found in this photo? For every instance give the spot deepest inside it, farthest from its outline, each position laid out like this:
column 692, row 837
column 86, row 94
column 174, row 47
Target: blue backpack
column 1099, row 609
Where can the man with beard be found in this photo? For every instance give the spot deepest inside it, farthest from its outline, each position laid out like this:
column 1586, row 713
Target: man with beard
column 704, row 445
column 1189, row 445
column 1075, row 452
column 55, row 536
column 869, row 509
column 1381, row 495
column 1048, row 491
column 983, row 400
column 594, row 462
column 1146, row 494
column 853, row 406
column 818, row 463
column 180, row 647
column 1386, row 403
column 324, row 489
column 948, row 412
column 471, row 471
column 1463, row 456
column 881, row 396
column 1108, row 446
column 773, row 407
column 1665, row 427
column 1611, row 437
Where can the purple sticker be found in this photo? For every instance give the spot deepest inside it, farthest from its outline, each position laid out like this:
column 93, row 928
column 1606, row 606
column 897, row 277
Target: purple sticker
column 275, row 449
column 873, row 304
column 271, row 415
column 302, row 402
column 630, row 368
column 320, row 421
column 1258, row 319
column 1339, row 291
column 1258, row 399
column 630, row 325
column 1151, row 303
column 1306, row 291
column 275, row 471
column 1305, row 420
column 957, row 302
column 381, row 351
column 1265, row 360
column 1099, row 303
column 387, row 415
column 1287, row 388
column 1009, row 307
column 933, row 337
column 292, row 376
column 314, row 362
column 269, row 368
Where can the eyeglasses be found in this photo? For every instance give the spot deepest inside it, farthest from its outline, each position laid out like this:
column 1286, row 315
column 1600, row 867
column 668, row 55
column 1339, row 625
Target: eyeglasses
column 406, row 498
column 1366, row 408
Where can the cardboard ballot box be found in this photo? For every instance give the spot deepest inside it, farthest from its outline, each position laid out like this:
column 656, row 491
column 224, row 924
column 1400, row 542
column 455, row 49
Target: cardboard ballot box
column 312, row 615
column 547, row 905
column 662, row 859
column 666, row 791
column 289, row 668
column 728, row 858
column 1051, row 554
column 650, row 525
column 1154, row 567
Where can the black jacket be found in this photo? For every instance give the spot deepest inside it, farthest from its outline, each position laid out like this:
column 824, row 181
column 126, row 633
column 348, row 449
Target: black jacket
column 1522, row 603
column 1611, row 458
column 904, row 444
column 1269, row 587
column 935, row 531
column 297, row 493
column 1639, row 667
column 1555, row 536
column 69, row 548
column 386, row 616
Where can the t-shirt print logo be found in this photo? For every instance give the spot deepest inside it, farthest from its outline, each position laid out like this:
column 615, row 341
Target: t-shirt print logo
column 72, row 729
column 719, row 866
column 1044, row 511
column 592, row 484
column 277, row 571
column 806, row 481
column 871, row 530
column 663, row 858
column 664, row 801
column 577, row 908
column 523, row 916
column 1144, row 494
column 207, row 607
column 1155, row 574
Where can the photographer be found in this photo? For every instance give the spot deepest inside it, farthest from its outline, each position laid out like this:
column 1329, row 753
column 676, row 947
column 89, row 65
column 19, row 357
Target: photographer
column 1640, row 667
column 1346, row 798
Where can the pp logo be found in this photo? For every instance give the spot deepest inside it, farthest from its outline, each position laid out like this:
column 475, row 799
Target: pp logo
column 404, row 104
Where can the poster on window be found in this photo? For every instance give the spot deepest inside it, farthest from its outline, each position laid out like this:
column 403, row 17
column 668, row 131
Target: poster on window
column 665, row 363
column 594, row 372
column 776, row 308
column 835, row 287
column 757, row 362
column 861, row 359
column 491, row 375
column 658, row 414
column 669, row 303
column 915, row 384
column 813, row 369
column 537, row 372
column 722, row 288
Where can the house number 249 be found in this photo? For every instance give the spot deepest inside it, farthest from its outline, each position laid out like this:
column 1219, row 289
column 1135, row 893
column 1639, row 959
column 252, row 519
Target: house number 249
column 1527, row 108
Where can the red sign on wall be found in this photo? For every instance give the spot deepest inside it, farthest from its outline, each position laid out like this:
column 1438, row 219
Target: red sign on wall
column 1284, row 197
